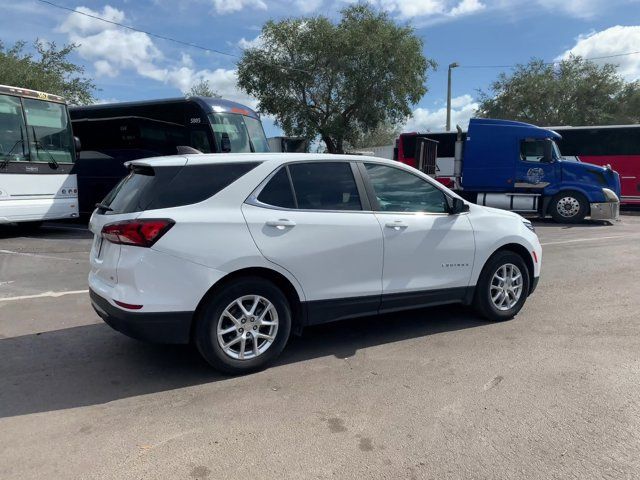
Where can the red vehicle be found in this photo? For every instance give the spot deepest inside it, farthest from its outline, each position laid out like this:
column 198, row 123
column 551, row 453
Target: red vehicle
column 410, row 145
column 615, row 145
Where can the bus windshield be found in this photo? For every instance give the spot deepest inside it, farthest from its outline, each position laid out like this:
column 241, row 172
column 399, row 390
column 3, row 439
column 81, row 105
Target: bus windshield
column 13, row 146
column 245, row 133
column 50, row 134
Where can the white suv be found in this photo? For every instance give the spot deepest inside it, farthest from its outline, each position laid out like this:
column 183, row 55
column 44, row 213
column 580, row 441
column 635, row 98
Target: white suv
column 236, row 251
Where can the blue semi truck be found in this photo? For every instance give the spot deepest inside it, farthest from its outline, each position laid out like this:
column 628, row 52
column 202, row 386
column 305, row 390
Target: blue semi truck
column 514, row 166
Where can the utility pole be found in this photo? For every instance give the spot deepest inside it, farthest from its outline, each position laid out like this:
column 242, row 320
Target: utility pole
column 451, row 66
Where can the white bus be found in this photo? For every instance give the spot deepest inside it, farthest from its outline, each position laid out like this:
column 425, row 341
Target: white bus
column 37, row 155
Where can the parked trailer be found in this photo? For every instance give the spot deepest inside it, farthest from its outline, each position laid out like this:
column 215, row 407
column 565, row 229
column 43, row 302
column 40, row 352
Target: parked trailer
column 288, row 144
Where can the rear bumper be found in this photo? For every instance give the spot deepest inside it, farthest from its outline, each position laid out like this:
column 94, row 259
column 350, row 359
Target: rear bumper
column 605, row 211
column 170, row 327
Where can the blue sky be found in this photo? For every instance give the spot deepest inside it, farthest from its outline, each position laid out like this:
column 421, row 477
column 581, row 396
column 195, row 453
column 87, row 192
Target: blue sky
column 133, row 66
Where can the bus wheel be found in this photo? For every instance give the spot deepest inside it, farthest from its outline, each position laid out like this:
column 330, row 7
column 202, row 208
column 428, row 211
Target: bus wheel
column 569, row 207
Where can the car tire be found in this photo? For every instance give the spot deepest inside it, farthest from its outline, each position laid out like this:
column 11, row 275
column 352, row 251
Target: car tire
column 259, row 335
column 487, row 299
column 569, row 207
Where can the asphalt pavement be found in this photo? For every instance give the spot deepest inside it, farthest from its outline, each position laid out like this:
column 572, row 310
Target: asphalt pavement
column 429, row 394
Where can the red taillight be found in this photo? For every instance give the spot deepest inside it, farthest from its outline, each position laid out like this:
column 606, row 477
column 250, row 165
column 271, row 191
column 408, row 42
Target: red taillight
column 535, row 256
column 130, row 306
column 139, row 233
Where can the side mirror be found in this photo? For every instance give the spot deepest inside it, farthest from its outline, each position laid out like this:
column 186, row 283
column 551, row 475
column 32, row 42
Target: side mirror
column 78, row 147
column 456, row 206
column 548, row 150
column 225, row 143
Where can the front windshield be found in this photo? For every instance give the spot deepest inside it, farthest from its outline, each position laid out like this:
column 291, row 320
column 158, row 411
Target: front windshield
column 50, row 132
column 256, row 134
column 13, row 146
column 558, row 155
column 556, row 150
column 245, row 133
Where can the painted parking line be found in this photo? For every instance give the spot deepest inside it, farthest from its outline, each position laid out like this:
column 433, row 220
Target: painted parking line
column 583, row 240
column 37, row 255
column 42, row 295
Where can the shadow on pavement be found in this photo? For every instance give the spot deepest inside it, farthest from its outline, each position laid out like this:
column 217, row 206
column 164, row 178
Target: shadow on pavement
column 93, row 364
column 49, row 230
column 549, row 222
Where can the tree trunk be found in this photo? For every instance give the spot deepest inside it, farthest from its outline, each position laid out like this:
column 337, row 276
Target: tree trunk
column 330, row 143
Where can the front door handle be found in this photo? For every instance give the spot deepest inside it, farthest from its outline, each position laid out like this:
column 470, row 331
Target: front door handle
column 281, row 224
column 397, row 225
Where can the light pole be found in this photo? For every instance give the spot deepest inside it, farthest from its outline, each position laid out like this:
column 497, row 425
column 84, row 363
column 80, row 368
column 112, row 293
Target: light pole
column 451, row 66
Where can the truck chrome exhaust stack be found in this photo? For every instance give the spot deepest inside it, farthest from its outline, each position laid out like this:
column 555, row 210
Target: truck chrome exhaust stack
column 457, row 162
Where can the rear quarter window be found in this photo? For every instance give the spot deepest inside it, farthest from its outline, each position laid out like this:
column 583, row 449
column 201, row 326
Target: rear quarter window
column 196, row 183
column 147, row 188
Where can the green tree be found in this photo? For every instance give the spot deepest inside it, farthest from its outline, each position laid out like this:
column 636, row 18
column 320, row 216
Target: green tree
column 48, row 70
column 384, row 134
column 318, row 78
column 202, row 88
column 574, row 91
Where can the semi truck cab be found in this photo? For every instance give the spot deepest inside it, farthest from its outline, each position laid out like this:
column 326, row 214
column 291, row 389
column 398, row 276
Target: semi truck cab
column 518, row 166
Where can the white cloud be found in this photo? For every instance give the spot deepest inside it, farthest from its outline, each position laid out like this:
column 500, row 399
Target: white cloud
column 574, row 8
column 87, row 25
column 244, row 43
column 110, row 47
column 412, row 8
column 465, row 7
column 429, row 8
column 230, row 6
column 434, row 120
column 308, row 6
column 113, row 49
column 436, row 11
column 612, row 41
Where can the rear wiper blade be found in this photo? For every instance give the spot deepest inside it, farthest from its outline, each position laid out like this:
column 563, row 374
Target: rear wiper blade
column 104, row 207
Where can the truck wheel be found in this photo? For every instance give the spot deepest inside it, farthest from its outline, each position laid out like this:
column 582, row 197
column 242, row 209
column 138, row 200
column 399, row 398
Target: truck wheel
column 244, row 326
column 569, row 207
column 503, row 286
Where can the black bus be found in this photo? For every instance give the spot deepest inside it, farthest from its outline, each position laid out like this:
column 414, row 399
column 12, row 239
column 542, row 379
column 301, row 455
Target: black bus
column 112, row 134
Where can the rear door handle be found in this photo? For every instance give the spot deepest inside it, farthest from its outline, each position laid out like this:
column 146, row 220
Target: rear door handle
column 397, row 225
column 281, row 224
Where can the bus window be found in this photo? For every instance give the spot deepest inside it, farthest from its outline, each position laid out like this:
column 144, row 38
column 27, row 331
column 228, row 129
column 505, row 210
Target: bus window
column 12, row 131
column 50, row 131
column 256, row 134
column 200, row 141
column 233, row 125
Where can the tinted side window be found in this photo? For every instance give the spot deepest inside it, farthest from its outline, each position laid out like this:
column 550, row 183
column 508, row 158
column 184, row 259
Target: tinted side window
column 532, row 150
column 196, row 183
column 325, row 186
column 147, row 188
column 137, row 190
column 401, row 191
column 277, row 191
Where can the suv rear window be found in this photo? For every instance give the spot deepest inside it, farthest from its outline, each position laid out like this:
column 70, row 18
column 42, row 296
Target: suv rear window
column 147, row 188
